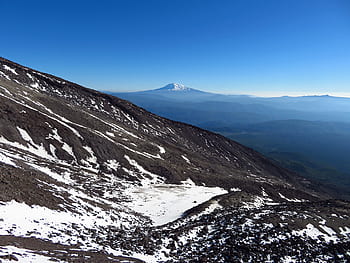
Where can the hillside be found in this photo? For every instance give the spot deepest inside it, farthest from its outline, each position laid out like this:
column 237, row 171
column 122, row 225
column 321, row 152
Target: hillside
column 88, row 177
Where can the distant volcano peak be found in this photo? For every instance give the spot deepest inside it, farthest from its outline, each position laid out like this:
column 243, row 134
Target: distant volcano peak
column 176, row 87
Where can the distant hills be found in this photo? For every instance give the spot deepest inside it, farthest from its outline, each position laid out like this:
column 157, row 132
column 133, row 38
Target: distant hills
column 307, row 134
column 232, row 109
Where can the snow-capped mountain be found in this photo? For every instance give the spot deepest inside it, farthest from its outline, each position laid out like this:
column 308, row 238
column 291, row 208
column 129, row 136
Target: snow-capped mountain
column 88, row 177
column 175, row 87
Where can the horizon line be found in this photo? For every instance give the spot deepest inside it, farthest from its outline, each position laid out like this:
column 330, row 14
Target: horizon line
column 252, row 94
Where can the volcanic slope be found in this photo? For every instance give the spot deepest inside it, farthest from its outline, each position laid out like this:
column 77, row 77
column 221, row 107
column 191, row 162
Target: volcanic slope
column 88, row 177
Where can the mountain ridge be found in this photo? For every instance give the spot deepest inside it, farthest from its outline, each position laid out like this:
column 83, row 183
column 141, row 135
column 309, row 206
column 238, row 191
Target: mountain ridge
column 181, row 87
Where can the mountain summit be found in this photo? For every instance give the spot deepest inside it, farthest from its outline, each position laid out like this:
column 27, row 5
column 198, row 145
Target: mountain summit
column 88, row 177
column 177, row 88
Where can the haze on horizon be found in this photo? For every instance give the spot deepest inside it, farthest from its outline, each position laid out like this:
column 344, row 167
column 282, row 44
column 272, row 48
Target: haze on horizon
column 256, row 94
column 263, row 48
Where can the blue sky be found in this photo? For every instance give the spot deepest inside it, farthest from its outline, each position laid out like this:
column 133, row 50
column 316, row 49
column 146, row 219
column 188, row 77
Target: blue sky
column 260, row 47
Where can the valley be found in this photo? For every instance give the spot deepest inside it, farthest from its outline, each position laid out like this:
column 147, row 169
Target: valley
column 296, row 132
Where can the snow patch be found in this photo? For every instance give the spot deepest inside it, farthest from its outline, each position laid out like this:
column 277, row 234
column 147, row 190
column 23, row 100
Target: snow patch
column 92, row 158
column 344, row 230
column 31, row 77
column 35, row 85
column 31, row 147
column 258, row 202
column 25, row 255
column 291, row 200
column 189, row 182
column 164, row 203
column 211, row 208
column 9, row 93
column 7, row 160
column 21, row 219
column 65, row 146
column 112, row 165
column 61, row 177
column 25, row 135
column 186, row 159
column 161, row 149
column 111, row 134
column 12, row 70
column 313, row 232
column 4, row 75
column 176, row 87
column 150, row 178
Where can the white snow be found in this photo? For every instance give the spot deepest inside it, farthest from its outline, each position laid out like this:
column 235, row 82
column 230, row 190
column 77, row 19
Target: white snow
column 161, row 149
column 35, row 85
column 344, row 230
column 164, row 203
column 9, row 93
column 7, row 160
column 161, row 202
column 313, row 232
column 264, row 193
column 44, row 220
column 188, row 181
column 92, row 159
column 177, row 87
column 291, row 200
column 53, row 150
column 15, row 80
column 111, row 134
column 248, row 223
column 63, row 121
column 114, row 126
column 149, row 178
column 55, row 119
column 30, row 76
column 4, row 75
column 31, row 147
column 25, row 135
column 288, row 259
column 25, row 255
column 20, row 219
column 186, row 159
column 112, row 164
column 328, row 230
column 255, row 203
column 63, row 177
column 65, row 146
column 10, row 69
column 213, row 206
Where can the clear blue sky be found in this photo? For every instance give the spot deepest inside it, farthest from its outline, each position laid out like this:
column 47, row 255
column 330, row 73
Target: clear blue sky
column 248, row 47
